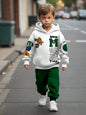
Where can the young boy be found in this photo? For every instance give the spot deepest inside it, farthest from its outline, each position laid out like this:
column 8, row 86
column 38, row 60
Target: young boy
column 49, row 48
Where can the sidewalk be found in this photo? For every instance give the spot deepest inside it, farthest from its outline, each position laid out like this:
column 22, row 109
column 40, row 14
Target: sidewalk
column 9, row 54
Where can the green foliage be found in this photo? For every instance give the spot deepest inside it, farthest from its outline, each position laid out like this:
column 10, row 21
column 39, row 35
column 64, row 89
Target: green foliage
column 68, row 3
column 53, row 2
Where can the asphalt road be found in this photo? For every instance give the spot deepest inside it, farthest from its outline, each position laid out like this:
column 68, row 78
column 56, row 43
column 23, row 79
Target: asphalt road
column 22, row 97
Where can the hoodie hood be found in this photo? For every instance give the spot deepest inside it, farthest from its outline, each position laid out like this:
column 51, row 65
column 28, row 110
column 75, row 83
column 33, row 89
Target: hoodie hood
column 55, row 27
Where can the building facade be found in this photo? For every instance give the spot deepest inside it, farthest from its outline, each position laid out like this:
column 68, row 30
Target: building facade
column 19, row 11
column 15, row 10
column 0, row 9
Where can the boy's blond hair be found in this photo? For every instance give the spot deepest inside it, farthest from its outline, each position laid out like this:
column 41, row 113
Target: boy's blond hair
column 45, row 9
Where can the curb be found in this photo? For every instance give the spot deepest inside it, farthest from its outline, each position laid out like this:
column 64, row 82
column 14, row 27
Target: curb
column 9, row 60
column 5, row 81
column 4, row 66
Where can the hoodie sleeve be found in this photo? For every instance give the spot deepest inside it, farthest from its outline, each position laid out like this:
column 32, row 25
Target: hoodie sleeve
column 29, row 50
column 63, row 51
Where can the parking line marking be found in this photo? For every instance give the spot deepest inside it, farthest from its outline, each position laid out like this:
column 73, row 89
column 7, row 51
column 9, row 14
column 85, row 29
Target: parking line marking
column 68, row 29
column 80, row 41
column 84, row 32
column 76, row 28
column 68, row 41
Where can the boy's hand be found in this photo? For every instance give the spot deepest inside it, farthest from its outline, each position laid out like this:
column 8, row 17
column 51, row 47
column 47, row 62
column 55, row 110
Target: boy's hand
column 63, row 68
column 26, row 67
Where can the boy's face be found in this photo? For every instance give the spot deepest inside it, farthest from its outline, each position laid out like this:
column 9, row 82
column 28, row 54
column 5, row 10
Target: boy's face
column 46, row 19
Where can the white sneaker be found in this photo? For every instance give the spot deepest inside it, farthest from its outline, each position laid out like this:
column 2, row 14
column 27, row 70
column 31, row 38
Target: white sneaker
column 43, row 100
column 53, row 106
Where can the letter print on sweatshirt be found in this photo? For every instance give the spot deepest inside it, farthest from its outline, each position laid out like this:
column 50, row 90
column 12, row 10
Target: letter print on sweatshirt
column 53, row 49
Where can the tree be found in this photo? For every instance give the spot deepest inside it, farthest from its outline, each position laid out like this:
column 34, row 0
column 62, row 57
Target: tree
column 68, row 3
column 53, row 2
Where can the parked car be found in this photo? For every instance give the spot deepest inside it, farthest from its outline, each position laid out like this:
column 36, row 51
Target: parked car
column 59, row 14
column 66, row 15
column 81, row 14
column 56, row 15
column 73, row 14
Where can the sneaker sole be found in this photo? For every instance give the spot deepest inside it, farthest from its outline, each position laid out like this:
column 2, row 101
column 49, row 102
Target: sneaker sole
column 41, row 104
column 53, row 110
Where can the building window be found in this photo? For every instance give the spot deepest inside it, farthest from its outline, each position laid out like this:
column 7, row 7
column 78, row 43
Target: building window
column 0, row 9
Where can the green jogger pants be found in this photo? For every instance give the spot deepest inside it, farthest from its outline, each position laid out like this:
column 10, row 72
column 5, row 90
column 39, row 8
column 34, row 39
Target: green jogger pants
column 48, row 80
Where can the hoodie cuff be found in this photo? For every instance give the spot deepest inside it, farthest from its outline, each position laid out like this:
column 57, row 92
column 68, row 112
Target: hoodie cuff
column 64, row 65
column 26, row 63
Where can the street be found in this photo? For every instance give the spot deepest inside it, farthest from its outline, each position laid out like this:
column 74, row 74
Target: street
column 21, row 95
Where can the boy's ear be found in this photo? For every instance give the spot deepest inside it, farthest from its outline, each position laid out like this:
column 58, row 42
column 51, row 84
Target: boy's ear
column 53, row 17
column 39, row 17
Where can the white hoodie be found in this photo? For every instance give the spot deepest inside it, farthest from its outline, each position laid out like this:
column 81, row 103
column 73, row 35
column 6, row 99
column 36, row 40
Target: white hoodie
column 49, row 48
